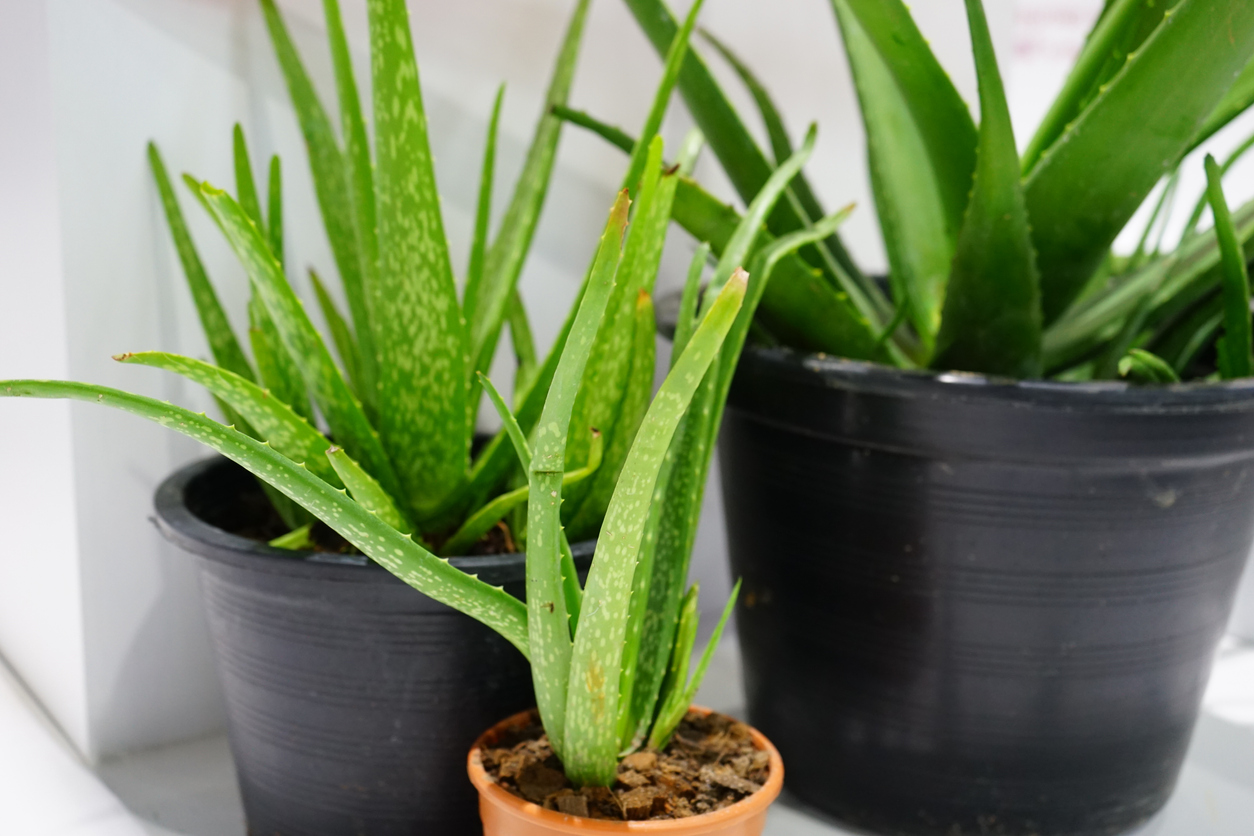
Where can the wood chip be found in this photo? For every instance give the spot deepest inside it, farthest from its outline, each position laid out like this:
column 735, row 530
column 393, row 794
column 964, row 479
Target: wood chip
column 631, row 778
column 640, row 761
column 726, row 777
column 536, row 781
column 638, row 804
column 572, row 804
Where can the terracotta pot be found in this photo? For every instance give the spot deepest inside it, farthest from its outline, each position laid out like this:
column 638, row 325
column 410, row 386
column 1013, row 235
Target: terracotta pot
column 505, row 814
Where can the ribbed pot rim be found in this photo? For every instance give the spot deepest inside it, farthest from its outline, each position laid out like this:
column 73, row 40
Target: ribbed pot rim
column 1105, row 396
column 182, row 527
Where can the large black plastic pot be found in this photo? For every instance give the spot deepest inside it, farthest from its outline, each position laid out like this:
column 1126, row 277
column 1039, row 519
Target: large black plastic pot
column 977, row 606
column 352, row 699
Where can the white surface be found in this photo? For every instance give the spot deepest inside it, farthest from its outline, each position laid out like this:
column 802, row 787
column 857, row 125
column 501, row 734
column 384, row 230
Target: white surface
column 189, row 789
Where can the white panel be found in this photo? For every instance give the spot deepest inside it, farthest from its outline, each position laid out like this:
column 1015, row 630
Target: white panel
column 40, row 621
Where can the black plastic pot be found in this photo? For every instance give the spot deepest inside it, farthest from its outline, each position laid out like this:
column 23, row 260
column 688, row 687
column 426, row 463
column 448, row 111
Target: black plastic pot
column 352, row 699
column 975, row 606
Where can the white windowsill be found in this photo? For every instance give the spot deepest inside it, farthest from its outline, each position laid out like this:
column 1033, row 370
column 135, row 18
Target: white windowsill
column 189, row 789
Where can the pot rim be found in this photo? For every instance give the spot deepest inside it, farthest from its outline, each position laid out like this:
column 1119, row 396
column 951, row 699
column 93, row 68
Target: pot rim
column 179, row 525
column 491, row 792
column 1103, row 395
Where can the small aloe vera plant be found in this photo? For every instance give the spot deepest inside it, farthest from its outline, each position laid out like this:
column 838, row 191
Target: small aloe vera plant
column 1000, row 262
column 610, row 657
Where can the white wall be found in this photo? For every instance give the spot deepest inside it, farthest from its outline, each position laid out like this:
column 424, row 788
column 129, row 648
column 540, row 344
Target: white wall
column 97, row 614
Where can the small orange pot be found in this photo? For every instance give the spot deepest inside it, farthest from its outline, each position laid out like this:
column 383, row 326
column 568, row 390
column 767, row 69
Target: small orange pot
column 505, row 814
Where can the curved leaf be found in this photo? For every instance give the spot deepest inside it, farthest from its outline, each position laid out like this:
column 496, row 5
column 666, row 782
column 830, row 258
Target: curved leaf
column 1093, row 178
column 397, row 553
column 992, row 316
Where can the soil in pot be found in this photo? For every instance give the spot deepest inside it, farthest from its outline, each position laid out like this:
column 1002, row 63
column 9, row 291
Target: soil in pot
column 710, row 764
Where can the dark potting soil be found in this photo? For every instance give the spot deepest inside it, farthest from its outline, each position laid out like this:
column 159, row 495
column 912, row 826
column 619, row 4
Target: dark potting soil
column 710, row 763
column 249, row 513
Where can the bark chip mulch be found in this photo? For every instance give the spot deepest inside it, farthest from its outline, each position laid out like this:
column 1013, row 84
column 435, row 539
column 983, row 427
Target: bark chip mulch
column 711, row 763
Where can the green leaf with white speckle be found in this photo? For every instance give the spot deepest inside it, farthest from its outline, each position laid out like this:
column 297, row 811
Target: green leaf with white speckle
column 546, row 603
column 396, row 552
column 274, row 421
column 591, row 730
column 363, row 488
column 418, row 327
column 322, row 378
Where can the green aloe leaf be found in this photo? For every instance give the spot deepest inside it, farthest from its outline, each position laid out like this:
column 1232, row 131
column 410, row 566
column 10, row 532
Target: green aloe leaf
column 525, row 357
column 489, row 515
column 483, row 210
column 1175, row 282
column 1123, row 26
column 940, row 117
column 274, row 210
column 680, row 654
column 396, row 552
column 509, row 250
column 1095, row 175
column 272, row 420
column 746, row 166
column 368, row 493
column 1235, row 347
column 591, row 730
column 992, row 315
column 919, row 229
column 223, row 344
column 636, row 390
column 341, row 334
column 419, row 334
column 678, row 701
column 1144, row 367
column 573, row 592
column 686, row 322
column 335, row 193
column 546, row 607
column 683, row 491
column 276, row 369
column 1203, row 200
column 356, row 142
column 671, row 65
column 600, row 401
column 1235, row 102
column 801, row 306
column 245, row 185
column 322, row 378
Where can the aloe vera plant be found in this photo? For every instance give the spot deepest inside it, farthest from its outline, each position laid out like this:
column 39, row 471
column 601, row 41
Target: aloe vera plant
column 397, row 383
column 998, row 263
column 610, row 658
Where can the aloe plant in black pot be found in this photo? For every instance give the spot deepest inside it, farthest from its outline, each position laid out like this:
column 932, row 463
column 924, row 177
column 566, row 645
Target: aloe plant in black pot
column 1032, row 528
column 351, row 698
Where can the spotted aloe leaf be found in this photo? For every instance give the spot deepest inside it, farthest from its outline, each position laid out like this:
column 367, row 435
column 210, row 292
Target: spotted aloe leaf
column 546, row 605
column 396, row 552
column 591, row 731
column 335, row 194
column 272, row 420
column 223, row 343
column 504, row 262
column 368, row 493
column 419, row 334
column 322, row 378
column 740, row 156
column 992, row 314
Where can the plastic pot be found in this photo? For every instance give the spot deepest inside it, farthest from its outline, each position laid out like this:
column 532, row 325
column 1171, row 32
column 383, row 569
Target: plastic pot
column 981, row 606
column 505, row 814
column 351, row 697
